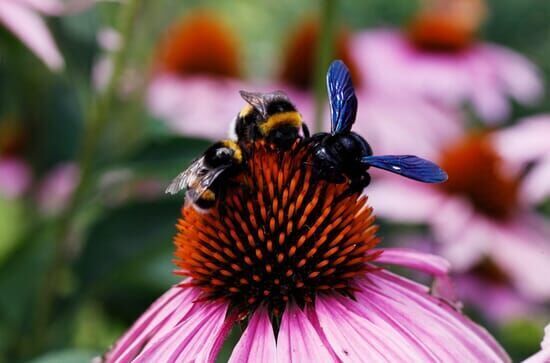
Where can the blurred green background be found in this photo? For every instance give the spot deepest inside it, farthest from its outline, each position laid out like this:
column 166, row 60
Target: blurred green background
column 118, row 257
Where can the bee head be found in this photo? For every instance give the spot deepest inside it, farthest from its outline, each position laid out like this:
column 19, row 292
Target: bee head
column 269, row 116
column 225, row 152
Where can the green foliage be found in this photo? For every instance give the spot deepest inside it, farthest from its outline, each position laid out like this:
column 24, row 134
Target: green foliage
column 66, row 356
column 521, row 338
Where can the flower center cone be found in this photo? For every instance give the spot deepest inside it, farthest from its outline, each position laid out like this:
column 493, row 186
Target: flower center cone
column 277, row 234
column 476, row 173
column 447, row 25
column 298, row 62
column 200, row 44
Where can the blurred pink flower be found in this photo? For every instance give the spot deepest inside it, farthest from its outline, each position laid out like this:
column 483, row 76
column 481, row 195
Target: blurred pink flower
column 15, row 177
column 55, row 189
column 380, row 110
column 109, row 41
column 197, row 76
column 486, row 212
column 544, row 355
column 23, row 19
column 440, row 59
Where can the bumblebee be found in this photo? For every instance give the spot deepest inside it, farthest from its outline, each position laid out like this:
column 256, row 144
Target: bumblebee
column 203, row 178
column 342, row 155
column 269, row 116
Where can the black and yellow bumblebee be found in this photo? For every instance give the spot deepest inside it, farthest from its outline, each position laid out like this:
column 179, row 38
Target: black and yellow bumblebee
column 204, row 177
column 269, row 116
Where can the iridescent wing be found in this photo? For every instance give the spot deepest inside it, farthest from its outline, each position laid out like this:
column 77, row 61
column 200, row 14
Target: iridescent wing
column 409, row 166
column 197, row 178
column 341, row 96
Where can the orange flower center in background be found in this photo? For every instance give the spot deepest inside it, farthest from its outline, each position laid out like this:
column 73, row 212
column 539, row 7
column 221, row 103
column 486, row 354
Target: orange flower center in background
column 447, row 25
column 276, row 235
column 12, row 138
column 199, row 44
column 489, row 271
column 298, row 63
column 476, row 172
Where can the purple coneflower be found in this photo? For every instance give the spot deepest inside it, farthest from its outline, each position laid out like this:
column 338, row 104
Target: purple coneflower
column 382, row 108
column 292, row 260
column 197, row 76
column 439, row 56
column 484, row 219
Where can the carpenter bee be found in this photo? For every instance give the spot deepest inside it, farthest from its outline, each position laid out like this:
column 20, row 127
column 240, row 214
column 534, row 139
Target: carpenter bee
column 203, row 178
column 342, row 155
column 270, row 116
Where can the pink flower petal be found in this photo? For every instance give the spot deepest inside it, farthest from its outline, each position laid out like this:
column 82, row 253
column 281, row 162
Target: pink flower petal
column 59, row 7
column 165, row 312
column 197, row 338
column 484, row 74
column 437, row 329
column 524, row 142
column 57, row 187
column 404, row 200
column 520, row 77
column 48, row 7
column 522, row 249
column 298, row 341
column 356, row 338
column 425, row 262
column 464, row 234
column 506, row 304
column 257, row 344
column 15, row 177
column 414, row 127
column 196, row 106
column 31, row 30
column 487, row 94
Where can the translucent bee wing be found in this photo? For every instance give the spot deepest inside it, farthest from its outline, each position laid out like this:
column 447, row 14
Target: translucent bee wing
column 203, row 182
column 409, row 166
column 341, row 96
column 189, row 177
column 185, row 177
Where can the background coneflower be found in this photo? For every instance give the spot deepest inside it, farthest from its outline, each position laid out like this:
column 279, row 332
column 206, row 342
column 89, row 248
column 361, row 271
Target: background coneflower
column 381, row 111
column 484, row 219
column 440, row 58
column 197, row 74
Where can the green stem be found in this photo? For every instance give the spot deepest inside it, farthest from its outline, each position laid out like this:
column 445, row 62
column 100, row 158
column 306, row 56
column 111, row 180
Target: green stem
column 98, row 118
column 325, row 50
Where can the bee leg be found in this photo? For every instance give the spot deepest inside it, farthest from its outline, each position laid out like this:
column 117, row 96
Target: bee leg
column 305, row 130
column 357, row 184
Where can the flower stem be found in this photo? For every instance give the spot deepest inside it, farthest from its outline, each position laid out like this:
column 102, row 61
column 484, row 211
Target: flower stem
column 98, row 117
column 325, row 49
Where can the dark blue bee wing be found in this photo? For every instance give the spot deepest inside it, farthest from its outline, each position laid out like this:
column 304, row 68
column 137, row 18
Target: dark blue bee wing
column 409, row 166
column 341, row 96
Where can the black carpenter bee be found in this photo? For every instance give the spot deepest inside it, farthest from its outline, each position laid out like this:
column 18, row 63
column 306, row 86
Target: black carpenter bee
column 270, row 116
column 342, row 155
column 203, row 178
